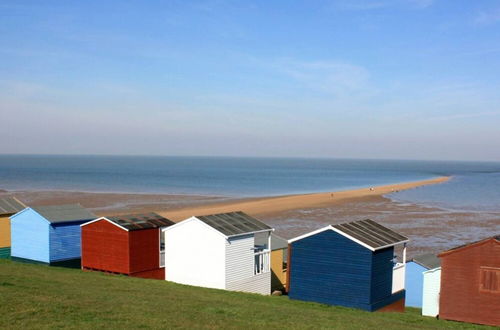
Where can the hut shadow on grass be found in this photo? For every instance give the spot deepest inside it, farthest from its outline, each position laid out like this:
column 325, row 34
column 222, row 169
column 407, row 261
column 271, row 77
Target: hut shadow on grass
column 72, row 263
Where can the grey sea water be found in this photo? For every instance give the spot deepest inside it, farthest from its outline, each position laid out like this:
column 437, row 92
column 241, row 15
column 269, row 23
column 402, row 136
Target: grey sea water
column 475, row 185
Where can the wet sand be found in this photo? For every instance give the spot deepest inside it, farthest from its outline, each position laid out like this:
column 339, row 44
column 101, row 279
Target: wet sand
column 270, row 205
column 429, row 229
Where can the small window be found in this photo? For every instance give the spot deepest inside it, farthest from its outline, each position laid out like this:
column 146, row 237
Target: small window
column 162, row 241
column 489, row 279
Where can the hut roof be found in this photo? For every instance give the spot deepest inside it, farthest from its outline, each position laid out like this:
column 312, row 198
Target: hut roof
column 140, row 221
column 429, row 261
column 234, row 223
column 64, row 213
column 371, row 233
column 277, row 242
column 368, row 233
column 10, row 205
column 475, row 243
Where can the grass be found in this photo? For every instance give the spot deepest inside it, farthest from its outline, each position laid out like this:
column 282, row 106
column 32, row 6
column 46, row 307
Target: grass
column 37, row 296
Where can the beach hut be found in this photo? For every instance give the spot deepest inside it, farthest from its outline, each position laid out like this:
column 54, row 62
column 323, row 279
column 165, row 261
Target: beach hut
column 470, row 283
column 8, row 207
column 49, row 234
column 431, row 290
column 126, row 244
column 219, row 251
column 350, row 264
column 279, row 253
column 415, row 269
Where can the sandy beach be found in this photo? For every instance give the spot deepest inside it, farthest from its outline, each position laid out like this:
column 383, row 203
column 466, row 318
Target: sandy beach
column 429, row 229
column 271, row 205
column 179, row 207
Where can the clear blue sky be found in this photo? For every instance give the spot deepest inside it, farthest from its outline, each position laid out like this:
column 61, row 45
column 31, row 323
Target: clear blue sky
column 410, row 79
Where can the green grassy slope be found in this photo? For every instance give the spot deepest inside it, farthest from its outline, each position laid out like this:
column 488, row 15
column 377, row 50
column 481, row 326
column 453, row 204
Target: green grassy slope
column 51, row 297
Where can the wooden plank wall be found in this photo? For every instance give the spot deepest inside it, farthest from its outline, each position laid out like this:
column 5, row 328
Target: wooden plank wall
column 105, row 247
column 461, row 296
column 329, row 268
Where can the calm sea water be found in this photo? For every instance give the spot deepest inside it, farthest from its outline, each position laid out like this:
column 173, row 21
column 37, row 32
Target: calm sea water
column 475, row 186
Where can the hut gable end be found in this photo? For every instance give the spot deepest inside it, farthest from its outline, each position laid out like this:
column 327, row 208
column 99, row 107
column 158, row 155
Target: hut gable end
column 30, row 236
column 105, row 246
column 329, row 262
column 468, row 288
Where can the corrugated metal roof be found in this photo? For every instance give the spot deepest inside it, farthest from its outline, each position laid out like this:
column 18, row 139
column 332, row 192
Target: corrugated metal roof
column 277, row 242
column 64, row 213
column 141, row 221
column 371, row 233
column 10, row 205
column 234, row 223
column 429, row 261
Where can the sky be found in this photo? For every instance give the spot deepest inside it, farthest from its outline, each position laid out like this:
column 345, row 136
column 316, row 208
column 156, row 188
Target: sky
column 397, row 79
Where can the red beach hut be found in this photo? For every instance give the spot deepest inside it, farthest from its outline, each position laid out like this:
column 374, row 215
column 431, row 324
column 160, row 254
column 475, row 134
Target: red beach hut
column 470, row 283
column 125, row 244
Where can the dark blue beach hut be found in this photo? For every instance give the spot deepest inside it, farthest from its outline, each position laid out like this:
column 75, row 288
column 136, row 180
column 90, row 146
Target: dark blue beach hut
column 48, row 234
column 350, row 264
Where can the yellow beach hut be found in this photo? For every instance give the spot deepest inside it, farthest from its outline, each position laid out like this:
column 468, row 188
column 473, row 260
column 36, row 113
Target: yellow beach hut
column 8, row 207
column 279, row 255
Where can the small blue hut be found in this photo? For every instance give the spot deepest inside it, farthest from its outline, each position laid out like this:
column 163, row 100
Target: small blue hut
column 48, row 234
column 415, row 277
column 350, row 264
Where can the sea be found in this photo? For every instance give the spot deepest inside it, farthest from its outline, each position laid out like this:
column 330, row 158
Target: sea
column 474, row 186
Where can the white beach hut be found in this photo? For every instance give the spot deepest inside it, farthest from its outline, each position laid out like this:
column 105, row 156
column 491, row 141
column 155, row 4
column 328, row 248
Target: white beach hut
column 219, row 251
column 431, row 290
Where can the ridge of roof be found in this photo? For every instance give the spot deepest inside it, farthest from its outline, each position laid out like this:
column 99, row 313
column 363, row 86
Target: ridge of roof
column 495, row 238
column 138, row 221
column 367, row 233
column 64, row 213
column 234, row 223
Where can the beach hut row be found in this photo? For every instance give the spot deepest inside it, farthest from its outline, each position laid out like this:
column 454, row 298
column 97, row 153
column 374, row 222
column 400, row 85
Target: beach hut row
column 359, row 264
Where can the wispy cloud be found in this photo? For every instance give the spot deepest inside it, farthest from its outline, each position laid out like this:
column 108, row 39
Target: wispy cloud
column 365, row 5
column 466, row 115
column 487, row 17
column 334, row 77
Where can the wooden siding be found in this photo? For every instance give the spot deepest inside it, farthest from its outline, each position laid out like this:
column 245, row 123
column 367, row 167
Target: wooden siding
column 382, row 268
column 144, row 250
column 278, row 275
column 260, row 284
column 105, row 247
column 396, row 306
column 461, row 298
column 65, row 241
column 430, row 292
column 240, row 267
column 4, row 232
column 239, row 258
column 155, row 274
column 5, row 253
column 330, row 268
column 30, row 236
column 414, row 284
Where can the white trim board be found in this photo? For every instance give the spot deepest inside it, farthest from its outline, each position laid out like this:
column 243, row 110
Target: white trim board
column 103, row 218
column 193, row 218
column 330, row 227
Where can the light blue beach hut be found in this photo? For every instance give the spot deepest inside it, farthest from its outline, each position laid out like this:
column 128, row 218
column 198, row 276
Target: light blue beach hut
column 415, row 278
column 48, row 234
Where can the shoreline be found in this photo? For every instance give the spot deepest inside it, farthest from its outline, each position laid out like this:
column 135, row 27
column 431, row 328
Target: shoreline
column 277, row 204
column 179, row 206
